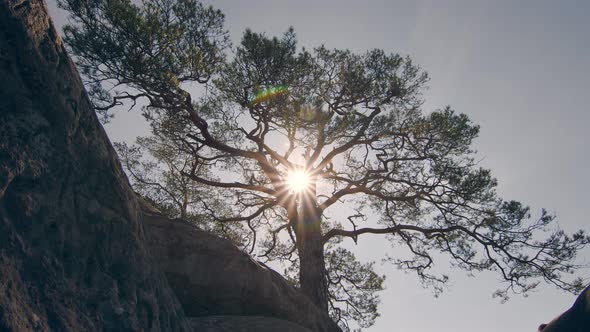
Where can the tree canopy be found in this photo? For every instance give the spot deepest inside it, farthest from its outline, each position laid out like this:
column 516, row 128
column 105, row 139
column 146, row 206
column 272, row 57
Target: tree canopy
column 243, row 122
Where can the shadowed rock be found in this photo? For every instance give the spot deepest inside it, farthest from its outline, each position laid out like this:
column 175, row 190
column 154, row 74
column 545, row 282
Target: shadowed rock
column 72, row 256
column 576, row 319
column 212, row 277
column 243, row 324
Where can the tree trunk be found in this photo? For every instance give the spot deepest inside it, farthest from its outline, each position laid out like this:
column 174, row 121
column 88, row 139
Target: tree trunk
column 312, row 270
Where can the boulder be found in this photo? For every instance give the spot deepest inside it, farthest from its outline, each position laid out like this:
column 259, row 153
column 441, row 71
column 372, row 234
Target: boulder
column 575, row 319
column 212, row 277
column 72, row 253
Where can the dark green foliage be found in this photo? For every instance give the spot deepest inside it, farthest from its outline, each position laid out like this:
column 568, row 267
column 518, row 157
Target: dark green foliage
column 151, row 49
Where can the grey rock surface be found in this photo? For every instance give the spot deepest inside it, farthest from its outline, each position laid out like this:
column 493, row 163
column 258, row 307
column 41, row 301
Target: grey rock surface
column 72, row 253
column 243, row 324
column 575, row 319
column 212, row 277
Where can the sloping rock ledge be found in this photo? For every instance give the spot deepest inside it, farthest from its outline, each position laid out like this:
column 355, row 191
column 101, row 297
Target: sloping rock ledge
column 210, row 276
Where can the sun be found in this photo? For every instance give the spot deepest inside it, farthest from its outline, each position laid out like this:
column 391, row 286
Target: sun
column 298, row 180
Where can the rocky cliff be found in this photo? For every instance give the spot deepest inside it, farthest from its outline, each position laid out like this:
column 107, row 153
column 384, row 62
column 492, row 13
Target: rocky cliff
column 74, row 255
column 72, row 252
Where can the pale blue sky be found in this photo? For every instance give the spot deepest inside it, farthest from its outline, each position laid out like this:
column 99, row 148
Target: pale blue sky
column 518, row 68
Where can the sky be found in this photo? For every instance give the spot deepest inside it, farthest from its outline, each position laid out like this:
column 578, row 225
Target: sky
column 519, row 69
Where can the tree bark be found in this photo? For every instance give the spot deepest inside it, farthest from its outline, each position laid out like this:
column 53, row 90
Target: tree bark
column 312, row 269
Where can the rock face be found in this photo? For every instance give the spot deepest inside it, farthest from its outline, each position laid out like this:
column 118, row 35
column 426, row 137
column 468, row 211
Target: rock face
column 212, row 277
column 243, row 324
column 576, row 319
column 72, row 253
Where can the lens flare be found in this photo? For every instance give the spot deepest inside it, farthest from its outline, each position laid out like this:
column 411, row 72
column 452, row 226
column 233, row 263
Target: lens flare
column 298, row 180
column 267, row 94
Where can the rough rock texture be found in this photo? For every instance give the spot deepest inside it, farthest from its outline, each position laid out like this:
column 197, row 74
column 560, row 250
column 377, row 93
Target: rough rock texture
column 210, row 276
column 243, row 324
column 72, row 256
column 575, row 319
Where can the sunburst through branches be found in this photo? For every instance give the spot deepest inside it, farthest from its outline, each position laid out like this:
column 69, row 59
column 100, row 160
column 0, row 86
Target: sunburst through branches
column 298, row 180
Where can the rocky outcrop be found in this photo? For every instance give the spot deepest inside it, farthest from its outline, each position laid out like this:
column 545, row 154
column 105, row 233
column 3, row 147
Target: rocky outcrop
column 575, row 319
column 72, row 253
column 210, row 276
